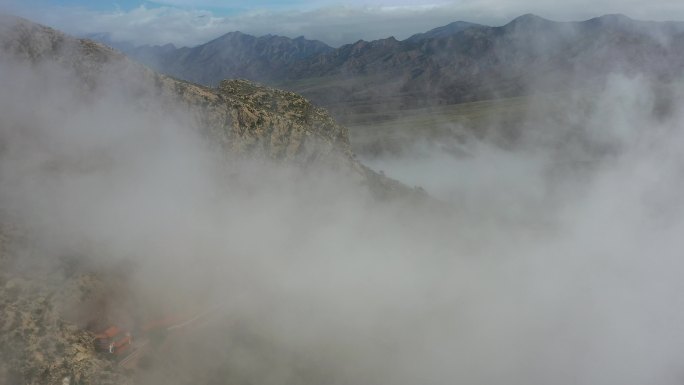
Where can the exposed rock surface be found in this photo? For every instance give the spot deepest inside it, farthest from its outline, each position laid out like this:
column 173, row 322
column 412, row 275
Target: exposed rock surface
column 38, row 343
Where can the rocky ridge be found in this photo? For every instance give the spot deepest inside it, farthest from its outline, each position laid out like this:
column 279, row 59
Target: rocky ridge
column 244, row 118
column 236, row 113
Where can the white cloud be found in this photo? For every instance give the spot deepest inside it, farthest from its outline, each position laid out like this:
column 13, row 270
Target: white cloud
column 142, row 25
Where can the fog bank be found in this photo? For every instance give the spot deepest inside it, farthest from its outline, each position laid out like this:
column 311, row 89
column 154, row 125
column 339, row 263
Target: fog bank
column 558, row 261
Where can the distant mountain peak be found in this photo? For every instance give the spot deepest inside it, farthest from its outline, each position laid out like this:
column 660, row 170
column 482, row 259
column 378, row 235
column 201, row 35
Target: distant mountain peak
column 232, row 34
column 611, row 20
column 443, row 31
column 241, row 36
column 529, row 19
column 616, row 17
column 530, row 23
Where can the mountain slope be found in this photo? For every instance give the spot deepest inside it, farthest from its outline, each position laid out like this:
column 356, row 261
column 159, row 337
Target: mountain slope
column 444, row 31
column 52, row 300
column 243, row 117
column 488, row 62
column 233, row 55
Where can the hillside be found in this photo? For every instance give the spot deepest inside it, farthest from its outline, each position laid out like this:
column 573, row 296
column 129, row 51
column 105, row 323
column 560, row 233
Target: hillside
column 54, row 297
column 242, row 117
column 233, row 55
column 235, row 113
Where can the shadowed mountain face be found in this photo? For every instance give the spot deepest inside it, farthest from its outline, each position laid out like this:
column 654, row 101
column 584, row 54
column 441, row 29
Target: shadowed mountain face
column 233, row 55
column 447, row 30
column 456, row 63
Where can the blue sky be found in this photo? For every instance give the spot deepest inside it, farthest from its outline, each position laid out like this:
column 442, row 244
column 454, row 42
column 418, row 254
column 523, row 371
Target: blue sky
column 101, row 5
column 192, row 22
column 217, row 7
column 227, row 7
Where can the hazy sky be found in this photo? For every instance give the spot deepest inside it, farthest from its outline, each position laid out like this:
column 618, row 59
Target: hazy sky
column 186, row 22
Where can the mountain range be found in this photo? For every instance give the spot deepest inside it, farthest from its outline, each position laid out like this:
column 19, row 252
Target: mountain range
column 459, row 62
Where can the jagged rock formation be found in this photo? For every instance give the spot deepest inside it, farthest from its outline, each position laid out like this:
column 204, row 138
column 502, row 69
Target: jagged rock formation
column 281, row 123
column 38, row 343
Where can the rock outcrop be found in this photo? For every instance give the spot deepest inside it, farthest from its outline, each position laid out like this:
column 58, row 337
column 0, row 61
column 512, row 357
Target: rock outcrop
column 241, row 116
column 244, row 118
column 38, row 342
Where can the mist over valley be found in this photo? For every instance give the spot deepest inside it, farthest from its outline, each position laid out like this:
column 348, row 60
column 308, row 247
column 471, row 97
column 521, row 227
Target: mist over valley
column 472, row 204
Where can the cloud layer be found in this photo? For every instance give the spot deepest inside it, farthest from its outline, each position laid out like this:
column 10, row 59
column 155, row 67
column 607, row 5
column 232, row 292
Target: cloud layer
column 545, row 275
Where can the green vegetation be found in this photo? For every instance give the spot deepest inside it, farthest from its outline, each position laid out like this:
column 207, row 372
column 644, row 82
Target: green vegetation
column 309, row 84
column 391, row 131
